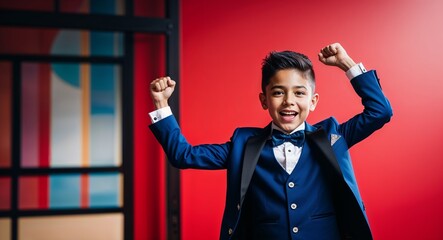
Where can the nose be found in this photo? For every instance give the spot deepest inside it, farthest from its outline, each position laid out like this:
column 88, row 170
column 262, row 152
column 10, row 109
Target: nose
column 289, row 99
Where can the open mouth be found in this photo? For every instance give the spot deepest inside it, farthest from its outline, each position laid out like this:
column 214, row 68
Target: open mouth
column 288, row 114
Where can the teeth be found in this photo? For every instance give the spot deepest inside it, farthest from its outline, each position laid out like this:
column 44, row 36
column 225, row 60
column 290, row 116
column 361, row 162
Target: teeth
column 288, row 113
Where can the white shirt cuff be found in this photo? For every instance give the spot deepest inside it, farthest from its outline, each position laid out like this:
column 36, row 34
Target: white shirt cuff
column 355, row 71
column 160, row 114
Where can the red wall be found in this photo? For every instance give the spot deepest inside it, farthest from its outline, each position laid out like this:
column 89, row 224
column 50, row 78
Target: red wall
column 398, row 168
column 149, row 166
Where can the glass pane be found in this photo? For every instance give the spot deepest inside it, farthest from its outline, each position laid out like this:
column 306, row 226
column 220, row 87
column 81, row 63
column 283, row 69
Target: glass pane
column 149, row 8
column 33, row 192
column 112, row 7
column 105, row 190
column 5, row 193
column 96, row 226
column 40, row 5
column 5, row 228
column 35, row 106
column 60, row 42
column 71, row 115
column 5, row 113
column 62, row 191
column 105, row 116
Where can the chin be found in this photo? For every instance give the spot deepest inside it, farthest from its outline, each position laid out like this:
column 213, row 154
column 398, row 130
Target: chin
column 288, row 127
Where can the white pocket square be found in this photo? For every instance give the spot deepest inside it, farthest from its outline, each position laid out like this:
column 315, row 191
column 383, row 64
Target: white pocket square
column 334, row 138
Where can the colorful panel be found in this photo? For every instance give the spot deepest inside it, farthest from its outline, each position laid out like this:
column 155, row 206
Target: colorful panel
column 68, row 42
column 5, row 193
column 85, row 43
column 66, row 115
column 41, row 5
column 5, row 113
column 106, row 44
column 61, row 191
column 28, row 193
column 105, row 190
column 96, row 226
column 26, row 40
column 35, row 115
column 106, row 7
column 150, row 8
column 105, row 122
column 74, row 6
column 60, row 42
column 71, row 115
column 112, row 7
column 64, row 191
column 5, row 228
column 33, row 192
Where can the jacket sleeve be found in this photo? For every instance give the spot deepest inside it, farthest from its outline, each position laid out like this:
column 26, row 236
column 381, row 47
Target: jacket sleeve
column 183, row 155
column 377, row 109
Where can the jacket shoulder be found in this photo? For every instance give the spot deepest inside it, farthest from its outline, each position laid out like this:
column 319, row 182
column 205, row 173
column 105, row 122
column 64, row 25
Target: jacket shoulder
column 247, row 132
column 329, row 124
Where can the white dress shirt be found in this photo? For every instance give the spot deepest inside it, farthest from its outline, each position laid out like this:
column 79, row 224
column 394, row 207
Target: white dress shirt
column 287, row 154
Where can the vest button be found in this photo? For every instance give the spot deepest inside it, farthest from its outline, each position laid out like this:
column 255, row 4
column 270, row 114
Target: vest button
column 291, row 184
column 230, row 231
column 238, row 206
column 295, row 229
column 293, row 206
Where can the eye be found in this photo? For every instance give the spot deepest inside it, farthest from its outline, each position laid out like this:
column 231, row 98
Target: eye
column 300, row 93
column 277, row 93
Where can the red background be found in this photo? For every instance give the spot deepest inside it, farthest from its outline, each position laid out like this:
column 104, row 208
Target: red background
column 223, row 43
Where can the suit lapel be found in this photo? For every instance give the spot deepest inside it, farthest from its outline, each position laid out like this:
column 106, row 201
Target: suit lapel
column 351, row 219
column 319, row 140
column 253, row 148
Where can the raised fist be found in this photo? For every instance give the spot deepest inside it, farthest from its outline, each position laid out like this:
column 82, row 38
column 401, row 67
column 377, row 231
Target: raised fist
column 161, row 90
column 335, row 55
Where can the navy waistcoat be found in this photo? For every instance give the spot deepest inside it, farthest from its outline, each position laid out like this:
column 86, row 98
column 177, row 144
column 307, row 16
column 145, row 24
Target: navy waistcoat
column 282, row 206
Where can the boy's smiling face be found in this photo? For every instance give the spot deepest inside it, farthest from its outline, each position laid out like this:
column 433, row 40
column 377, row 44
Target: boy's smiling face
column 289, row 98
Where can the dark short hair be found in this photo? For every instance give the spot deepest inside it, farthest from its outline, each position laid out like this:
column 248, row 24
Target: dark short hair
column 276, row 61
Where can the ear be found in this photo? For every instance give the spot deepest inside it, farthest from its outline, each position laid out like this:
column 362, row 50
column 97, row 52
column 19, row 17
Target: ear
column 262, row 98
column 314, row 101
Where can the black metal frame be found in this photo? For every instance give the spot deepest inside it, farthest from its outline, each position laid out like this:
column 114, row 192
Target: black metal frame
column 172, row 68
column 128, row 24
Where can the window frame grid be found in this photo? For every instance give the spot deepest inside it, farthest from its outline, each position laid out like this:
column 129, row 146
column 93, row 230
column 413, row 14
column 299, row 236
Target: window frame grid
column 128, row 25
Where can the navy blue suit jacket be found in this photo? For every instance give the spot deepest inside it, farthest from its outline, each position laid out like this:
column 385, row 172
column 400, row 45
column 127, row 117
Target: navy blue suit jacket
column 329, row 140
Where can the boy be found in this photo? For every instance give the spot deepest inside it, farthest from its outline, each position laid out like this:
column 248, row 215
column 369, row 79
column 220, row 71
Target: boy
column 289, row 180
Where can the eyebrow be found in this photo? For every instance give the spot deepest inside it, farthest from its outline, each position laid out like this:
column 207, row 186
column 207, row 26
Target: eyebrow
column 282, row 87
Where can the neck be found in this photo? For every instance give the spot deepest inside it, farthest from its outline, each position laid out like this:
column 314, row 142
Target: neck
column 299, row 128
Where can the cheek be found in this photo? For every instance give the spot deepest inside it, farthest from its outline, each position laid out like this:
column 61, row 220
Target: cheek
column 304, row 105
column 271, row 108
column 272, row 105
column 307, row 107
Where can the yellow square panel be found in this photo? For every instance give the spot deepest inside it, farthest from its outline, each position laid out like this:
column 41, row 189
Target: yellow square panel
column 5, row 228
column 72, row 227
